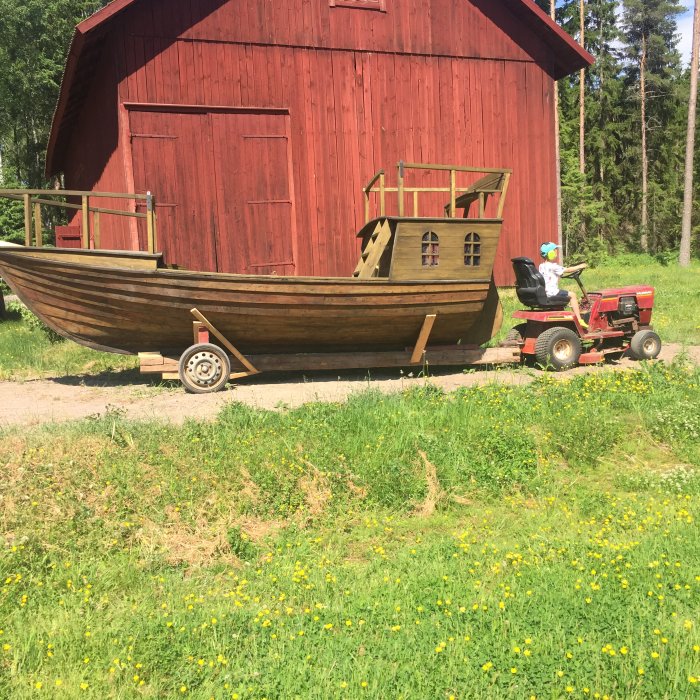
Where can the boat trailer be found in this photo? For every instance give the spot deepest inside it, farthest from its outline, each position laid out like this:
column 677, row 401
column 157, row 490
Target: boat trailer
column 206, row 367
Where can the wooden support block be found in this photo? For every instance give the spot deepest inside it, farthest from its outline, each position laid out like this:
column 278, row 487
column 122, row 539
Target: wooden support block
column 423, row 336
column 443, row 355
column 148, row 359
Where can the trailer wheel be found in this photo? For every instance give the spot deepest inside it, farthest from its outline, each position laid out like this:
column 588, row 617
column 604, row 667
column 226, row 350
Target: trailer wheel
column 558, row 348
column 204, row 368
column 645, row 345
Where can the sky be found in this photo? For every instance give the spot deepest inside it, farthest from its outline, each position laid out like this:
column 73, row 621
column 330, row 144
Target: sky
column 685, row 29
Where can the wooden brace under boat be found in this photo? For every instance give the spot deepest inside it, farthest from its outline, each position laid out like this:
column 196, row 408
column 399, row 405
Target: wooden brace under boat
column 422, row 291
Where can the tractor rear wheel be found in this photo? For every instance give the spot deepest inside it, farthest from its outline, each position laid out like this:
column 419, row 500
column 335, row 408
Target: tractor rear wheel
column 645, row 345
column 558, row 348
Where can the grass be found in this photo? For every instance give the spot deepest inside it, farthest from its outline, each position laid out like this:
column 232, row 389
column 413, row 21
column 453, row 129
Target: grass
column 497, row 542
column 28, row 353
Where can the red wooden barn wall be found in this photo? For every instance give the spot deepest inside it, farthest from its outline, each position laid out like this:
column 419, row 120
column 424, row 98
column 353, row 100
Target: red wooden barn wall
column 319, row 98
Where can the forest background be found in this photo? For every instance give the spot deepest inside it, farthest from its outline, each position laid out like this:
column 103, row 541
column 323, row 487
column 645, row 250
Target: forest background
column 635, row 107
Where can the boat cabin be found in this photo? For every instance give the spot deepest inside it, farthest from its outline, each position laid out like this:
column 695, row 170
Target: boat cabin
column 451, row 247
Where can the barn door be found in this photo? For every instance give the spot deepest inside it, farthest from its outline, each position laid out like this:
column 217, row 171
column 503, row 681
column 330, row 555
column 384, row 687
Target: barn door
column 172, row 154
column 254, row 193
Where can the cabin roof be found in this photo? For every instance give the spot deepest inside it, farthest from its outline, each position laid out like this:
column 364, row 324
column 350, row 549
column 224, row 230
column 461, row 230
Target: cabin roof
column 86, row 45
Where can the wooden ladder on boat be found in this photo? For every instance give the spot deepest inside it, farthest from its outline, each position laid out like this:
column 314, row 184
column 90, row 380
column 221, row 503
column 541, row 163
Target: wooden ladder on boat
column 368, row 265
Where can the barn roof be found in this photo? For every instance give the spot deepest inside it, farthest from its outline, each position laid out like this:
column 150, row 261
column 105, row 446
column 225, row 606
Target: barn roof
column 566, row 56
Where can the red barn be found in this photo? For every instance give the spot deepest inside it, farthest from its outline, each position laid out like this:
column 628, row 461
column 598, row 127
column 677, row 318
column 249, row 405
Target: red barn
column 256, row 123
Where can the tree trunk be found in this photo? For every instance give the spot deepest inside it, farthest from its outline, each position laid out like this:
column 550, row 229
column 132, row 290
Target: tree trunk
column 582, row 106
column 557, row 154
column 644, row 242
column 684, row 257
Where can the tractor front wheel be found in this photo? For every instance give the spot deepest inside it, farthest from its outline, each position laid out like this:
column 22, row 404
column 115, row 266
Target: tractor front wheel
column 558, row 348
column 645, row 345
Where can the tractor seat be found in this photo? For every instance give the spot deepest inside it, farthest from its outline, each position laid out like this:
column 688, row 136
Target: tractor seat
column 530, row 286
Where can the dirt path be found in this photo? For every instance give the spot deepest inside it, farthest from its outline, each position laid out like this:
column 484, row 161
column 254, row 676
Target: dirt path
column 67, row 398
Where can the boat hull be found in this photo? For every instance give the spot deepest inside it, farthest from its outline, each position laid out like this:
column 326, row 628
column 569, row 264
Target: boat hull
column 126, row 303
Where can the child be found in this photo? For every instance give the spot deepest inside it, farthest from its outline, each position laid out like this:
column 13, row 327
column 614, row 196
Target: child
column 551, row 271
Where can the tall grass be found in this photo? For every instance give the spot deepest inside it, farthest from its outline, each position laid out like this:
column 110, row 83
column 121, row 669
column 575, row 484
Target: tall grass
column 27, row 351
column 496, row 542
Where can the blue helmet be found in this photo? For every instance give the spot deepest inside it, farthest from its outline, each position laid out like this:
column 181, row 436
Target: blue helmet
column 547, row 248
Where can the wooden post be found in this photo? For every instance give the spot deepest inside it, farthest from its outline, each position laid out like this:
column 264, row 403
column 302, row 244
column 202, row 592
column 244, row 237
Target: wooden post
column 415, row 204
column 27, row 220
column 482, row 205
column 382, row 196
column 502, row 196
column 150, row 230
column 400, row 188
column 38, row 242
column 423, row 336
column 86, row 221
column 366, row 206
column 154, row 223
column 96, row 229
column 229, row 346
column 453, row 194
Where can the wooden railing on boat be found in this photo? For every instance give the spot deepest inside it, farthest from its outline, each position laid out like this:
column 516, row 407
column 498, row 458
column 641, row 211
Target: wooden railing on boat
column 90, row 225
column 493, row 183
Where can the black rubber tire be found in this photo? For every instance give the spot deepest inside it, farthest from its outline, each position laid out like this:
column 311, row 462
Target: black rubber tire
column 645, row 345
column 558, row 348
column 516, row 333
column 204, row 368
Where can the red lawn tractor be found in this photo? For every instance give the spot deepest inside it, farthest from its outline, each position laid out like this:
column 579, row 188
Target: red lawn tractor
column 618, row 321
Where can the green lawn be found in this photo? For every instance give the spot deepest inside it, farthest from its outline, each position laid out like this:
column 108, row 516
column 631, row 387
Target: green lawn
column 497, row 542
column 27, row 352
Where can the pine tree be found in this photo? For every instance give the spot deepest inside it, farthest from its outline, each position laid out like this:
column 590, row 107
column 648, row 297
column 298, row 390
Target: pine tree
column 35, row 38
column 684, row 255
column 652, row 74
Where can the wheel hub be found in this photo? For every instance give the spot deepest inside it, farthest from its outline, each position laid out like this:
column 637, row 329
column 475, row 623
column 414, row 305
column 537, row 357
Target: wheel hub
column 205, row 368
column 649, row 346
column 562, row 350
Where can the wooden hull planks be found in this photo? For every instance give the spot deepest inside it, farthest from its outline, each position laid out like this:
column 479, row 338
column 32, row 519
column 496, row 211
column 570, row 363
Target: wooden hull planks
column 126, row 303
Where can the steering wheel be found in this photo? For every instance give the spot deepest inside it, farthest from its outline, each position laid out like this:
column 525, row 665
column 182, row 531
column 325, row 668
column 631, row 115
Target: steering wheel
column 575, row 274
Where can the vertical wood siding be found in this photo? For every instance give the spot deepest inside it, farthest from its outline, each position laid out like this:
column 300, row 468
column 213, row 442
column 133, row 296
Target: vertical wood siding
column 427, row 81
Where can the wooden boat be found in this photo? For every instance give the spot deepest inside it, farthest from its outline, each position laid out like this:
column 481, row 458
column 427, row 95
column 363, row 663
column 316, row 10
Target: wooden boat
column 413, row 272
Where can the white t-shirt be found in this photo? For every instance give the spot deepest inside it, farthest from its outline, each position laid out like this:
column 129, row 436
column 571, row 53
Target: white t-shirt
column 551, row 272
